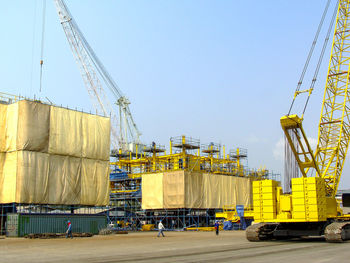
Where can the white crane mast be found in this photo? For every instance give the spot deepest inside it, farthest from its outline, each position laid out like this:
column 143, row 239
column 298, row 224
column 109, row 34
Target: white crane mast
column 91, row 69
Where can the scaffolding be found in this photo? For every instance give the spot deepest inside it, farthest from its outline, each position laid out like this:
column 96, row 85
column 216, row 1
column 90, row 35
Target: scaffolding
column 125, row 208
column 185, row 153
column 6, row 98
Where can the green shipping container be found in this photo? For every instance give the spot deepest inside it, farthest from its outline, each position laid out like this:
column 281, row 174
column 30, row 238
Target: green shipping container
column 20, row 224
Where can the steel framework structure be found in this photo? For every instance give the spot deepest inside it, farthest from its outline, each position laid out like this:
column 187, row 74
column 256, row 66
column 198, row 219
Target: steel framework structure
column 126, row 181
column 93, row 71
column 185, row 154
column 334, row 126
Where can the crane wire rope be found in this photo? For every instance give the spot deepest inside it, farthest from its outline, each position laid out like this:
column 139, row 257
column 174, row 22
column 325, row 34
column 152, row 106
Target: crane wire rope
column 42, row 44
column 306, row 65
column 317, row 70
column 33, row 48
column 290, row 162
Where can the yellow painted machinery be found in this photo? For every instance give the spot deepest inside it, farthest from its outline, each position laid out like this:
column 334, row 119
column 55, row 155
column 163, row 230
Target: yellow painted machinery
column 186, row 154
column 203, row 228
column 148, row 227
column 310, row 209
column 229, row 213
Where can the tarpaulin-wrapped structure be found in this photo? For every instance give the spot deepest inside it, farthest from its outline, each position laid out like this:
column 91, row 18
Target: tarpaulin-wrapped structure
column 52, row 155
column 183, row 189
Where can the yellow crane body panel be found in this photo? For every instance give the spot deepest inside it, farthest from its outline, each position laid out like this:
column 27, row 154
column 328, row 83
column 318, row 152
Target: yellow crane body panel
column 265, row 200
column 307, row 203
column 309, row 199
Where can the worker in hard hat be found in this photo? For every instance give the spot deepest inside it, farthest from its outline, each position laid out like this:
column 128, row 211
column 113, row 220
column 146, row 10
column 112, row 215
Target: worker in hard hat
column 216, row 225
column 69, row 230
column 160, row 228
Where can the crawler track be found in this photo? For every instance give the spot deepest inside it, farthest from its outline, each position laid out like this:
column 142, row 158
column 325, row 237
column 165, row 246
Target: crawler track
column 337, row 232
column 260, row 232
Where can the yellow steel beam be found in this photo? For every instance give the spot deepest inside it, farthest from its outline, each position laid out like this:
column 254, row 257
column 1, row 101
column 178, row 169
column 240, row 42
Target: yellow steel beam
column 334, row 126
column 301, row 148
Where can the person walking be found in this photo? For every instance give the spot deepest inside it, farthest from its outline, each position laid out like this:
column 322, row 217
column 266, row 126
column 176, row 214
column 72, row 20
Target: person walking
column 160, row 228
column 216, row 225
column 69, row 230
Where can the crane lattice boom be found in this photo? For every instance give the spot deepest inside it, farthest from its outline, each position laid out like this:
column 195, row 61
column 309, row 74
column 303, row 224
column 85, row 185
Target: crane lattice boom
column 334, row 126
column 92, row 71
column 310, row 207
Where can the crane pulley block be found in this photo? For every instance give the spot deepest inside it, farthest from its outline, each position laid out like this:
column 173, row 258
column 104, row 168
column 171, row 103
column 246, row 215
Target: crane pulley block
column 291, row 121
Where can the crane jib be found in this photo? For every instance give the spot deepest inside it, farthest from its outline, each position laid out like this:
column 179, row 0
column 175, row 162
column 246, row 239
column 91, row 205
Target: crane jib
column 334, row 125
column 94, row 76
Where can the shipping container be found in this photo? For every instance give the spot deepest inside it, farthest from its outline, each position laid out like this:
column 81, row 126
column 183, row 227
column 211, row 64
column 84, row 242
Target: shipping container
column 21, row 224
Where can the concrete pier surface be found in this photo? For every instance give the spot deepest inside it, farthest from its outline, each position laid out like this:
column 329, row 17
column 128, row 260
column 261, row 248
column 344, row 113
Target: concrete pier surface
column 230, row 246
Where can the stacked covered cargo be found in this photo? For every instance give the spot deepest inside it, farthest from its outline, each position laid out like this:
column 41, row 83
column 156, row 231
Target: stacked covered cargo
column 52, row 155
column 183, row 189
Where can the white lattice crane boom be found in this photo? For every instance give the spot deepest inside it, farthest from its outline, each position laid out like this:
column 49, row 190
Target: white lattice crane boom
column 94, row 75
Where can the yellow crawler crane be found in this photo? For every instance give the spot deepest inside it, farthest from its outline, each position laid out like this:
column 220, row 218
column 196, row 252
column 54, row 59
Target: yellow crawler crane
column 311, row 208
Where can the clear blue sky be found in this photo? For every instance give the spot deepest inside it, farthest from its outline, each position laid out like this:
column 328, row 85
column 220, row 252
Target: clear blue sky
column 222, row 71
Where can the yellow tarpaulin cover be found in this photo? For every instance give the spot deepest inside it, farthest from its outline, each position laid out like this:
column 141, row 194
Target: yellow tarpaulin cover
column 8, row 178
column 33, row 126
column 152, row 191
column 79, row 134
column 96, row 141
column 174, row 187
column 211, row 197
column 41, row 178
column 2, row 163
column 226, row 190
column 194, row 190
column 52, row 155
column 3, row 113
column 94, row 182
column 25, row 126
column 11, row 128
column 64, row 180
column 65, row 132
column 31, row 177
column 246, row 198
